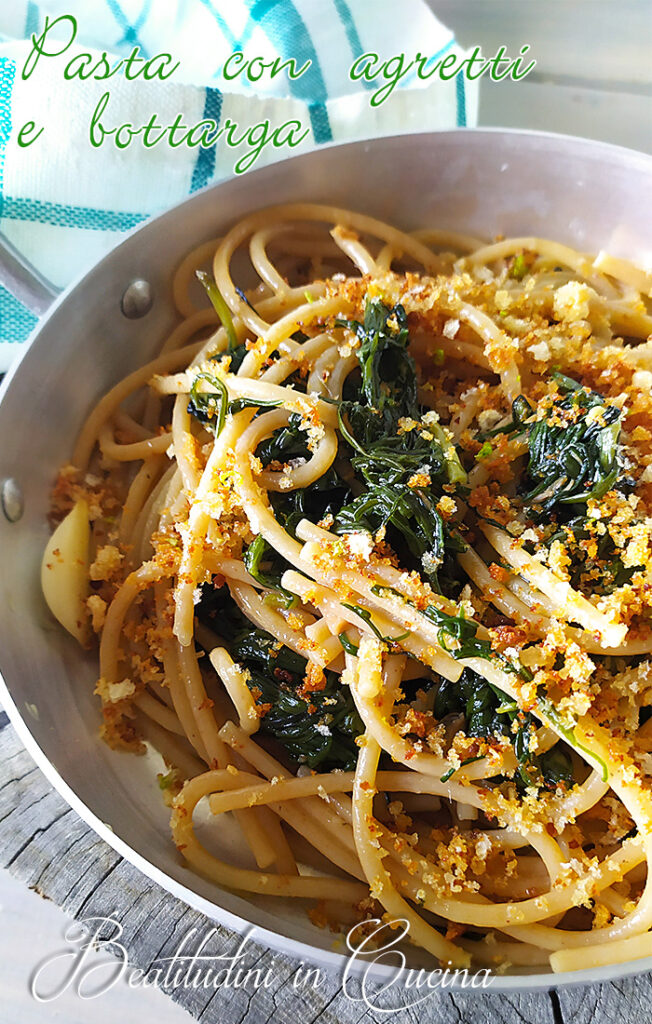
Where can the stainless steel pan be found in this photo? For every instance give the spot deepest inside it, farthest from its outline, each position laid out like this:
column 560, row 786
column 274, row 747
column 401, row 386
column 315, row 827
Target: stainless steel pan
column 481, row 182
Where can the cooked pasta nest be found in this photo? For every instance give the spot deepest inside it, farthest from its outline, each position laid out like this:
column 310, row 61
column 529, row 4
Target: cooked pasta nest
column 366, row 551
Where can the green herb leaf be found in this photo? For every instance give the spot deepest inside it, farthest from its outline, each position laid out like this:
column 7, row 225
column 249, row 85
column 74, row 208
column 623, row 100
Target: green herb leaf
column 402, row 471
column 573, row 450
column 568, row 732
column 318, row 729
column 209, row 409
column 461, row 631
column 365, row 615
column 485, row 451
column 349, row 647
column 451, row 771
column 220, row 307
column 518, row 269
column 237, row 404
column 259, row 551
column 488, row 711
column 573, row 457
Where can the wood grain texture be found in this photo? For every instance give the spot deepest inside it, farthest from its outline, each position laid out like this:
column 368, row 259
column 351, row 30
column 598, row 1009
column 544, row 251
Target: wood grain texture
column 49, row 848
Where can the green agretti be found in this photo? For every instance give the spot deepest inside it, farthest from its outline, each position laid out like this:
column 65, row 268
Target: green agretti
column 400, row 472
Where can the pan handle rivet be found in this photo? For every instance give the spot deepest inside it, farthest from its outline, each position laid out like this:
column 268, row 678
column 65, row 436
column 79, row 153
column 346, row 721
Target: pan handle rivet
column 11, row 498
column 137, row 299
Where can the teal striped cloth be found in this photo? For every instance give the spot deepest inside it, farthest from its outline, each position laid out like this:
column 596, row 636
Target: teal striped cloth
column 64, row 204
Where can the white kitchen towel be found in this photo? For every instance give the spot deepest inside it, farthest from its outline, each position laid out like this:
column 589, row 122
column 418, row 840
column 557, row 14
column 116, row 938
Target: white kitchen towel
column 64, row 203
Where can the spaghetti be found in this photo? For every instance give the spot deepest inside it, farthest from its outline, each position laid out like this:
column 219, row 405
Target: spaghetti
column 367, row 550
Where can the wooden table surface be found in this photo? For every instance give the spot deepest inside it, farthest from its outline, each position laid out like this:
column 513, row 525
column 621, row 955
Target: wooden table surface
column 48, row 848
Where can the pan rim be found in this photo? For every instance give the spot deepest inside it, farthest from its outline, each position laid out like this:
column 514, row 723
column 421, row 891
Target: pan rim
column 276, row 940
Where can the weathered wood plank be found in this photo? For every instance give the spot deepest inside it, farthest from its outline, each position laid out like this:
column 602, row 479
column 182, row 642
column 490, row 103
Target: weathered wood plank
column 46, row 845
column 626, row 1000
